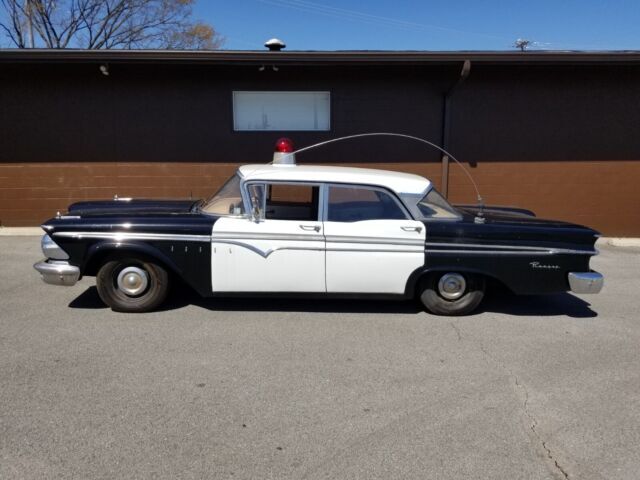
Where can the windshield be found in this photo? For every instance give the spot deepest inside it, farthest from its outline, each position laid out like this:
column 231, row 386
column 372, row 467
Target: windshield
column 433, row 205
column 227, row 201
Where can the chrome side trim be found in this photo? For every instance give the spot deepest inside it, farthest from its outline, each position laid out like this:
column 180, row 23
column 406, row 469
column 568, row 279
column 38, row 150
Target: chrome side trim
column 265, row 253
column 374, row 240
column 468, row 248
column 585, row 282
column 119, row 236
column 262, row 253
column 372, row 250
column 58, row 272
column 266, row 236
column 487, row 252
column 316, row 238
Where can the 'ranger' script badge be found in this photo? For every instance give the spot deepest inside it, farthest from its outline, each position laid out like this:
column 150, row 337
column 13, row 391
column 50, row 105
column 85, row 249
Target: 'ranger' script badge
column 542, row 266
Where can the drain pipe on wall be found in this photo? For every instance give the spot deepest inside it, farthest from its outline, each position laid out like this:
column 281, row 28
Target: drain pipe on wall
column 446, row 125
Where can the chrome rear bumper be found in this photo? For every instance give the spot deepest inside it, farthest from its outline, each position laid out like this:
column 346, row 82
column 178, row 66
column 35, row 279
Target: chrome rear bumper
column 58, row 272
column 585, row 282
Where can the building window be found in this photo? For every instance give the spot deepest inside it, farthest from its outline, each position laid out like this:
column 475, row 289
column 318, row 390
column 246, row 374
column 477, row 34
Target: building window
column 292, row 111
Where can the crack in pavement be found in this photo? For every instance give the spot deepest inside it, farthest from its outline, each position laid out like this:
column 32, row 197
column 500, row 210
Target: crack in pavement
column 519, row 387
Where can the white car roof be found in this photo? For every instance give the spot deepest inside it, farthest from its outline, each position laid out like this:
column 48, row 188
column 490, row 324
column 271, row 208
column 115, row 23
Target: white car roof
column 396, row 181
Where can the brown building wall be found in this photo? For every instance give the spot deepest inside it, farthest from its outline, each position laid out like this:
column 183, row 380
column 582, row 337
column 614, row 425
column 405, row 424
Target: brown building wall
column 559, row 140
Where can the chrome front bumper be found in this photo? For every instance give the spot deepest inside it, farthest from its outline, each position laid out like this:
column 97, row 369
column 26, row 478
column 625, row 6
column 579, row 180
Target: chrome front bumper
column 58, row 272
column 585, row 282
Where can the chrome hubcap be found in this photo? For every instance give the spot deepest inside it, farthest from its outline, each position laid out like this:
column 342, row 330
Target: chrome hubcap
column 133, row 280
column 452, row 286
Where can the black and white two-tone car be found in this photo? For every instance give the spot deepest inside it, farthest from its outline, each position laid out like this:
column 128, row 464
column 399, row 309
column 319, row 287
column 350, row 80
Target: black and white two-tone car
column 315, row 230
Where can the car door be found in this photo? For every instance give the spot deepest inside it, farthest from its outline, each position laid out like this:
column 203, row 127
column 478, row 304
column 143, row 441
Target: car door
column 279, row 249
column 372, row 243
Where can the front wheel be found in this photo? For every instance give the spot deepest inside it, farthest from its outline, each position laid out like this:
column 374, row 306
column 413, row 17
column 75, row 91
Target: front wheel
column 451, row 293
column 132, row 284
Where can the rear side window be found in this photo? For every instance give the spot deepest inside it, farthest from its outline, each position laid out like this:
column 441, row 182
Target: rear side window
column 354, row 204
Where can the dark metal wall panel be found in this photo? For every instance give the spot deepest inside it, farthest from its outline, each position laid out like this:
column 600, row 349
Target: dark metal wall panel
column 169, row 113
column 559, row 139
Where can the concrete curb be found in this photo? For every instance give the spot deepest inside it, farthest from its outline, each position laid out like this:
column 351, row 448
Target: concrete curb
column 21, row 231
column 619, row 242
column 37, row 231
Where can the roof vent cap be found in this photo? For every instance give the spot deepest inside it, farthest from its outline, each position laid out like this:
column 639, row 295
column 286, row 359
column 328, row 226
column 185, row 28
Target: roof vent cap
column 275, row 45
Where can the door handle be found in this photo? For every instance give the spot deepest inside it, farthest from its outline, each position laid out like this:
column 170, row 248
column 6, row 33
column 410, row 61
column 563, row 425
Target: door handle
column 412, row 229
column 310, row 228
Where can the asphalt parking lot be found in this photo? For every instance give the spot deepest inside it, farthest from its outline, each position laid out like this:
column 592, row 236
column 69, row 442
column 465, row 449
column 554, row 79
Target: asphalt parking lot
column 529, row 388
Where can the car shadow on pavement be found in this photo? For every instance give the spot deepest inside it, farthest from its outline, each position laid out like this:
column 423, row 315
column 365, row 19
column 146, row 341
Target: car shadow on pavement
column 498, row 302
column 504, row 301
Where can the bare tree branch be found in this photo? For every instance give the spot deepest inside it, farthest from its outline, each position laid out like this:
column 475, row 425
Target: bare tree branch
column 100, row 24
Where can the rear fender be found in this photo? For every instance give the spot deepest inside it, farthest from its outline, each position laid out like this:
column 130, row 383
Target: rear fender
column 414, row 278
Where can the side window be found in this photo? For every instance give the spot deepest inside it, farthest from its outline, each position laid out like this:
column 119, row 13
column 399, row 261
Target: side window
column 292, row 202
column 353, row 204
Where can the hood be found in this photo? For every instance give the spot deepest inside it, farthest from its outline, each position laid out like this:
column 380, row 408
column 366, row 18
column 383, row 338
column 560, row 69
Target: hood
column 131, row 207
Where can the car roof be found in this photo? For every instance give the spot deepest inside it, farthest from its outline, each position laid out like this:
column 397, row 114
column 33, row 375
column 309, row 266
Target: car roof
column 397, row 181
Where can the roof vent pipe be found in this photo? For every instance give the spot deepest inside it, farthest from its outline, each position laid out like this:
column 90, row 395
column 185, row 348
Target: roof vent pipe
column 275, row 45
column 446, row 125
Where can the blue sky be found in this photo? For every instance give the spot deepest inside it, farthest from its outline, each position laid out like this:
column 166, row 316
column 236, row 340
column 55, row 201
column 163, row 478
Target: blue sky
column 426, row 25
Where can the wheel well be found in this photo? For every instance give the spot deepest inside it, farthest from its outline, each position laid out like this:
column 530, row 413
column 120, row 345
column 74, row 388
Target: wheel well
column 492, row 281
column 101, row 257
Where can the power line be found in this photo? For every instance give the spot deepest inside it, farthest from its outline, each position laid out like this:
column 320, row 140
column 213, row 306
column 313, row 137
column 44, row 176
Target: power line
column 362, row 17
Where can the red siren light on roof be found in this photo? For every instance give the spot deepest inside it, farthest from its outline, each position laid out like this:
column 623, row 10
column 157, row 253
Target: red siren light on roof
column 284, row 145
column 283, row 154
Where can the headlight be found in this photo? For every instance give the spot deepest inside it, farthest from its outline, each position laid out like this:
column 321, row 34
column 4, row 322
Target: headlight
column 52, row 250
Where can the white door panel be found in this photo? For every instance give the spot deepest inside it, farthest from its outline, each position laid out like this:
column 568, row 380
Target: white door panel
column 269, row 256
column 373, row 256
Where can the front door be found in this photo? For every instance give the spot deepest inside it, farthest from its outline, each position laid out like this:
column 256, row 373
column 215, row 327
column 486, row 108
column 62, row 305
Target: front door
column 280, row 250
column 372, row 243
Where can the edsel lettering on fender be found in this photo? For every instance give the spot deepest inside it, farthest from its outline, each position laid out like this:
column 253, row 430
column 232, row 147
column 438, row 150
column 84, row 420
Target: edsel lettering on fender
column 283, row 228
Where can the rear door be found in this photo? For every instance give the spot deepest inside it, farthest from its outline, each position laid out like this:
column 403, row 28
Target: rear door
column 372, row 244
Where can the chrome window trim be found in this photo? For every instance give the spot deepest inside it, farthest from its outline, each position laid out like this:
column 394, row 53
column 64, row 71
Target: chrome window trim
column 218, row 215
column 244, row 185
column 458, row 217
column 394, row 196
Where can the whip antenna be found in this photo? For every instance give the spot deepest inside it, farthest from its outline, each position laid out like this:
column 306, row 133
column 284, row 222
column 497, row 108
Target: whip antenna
column 401, row 135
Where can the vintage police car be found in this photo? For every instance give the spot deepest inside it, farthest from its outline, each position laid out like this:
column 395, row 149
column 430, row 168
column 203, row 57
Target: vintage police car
column 293, row 229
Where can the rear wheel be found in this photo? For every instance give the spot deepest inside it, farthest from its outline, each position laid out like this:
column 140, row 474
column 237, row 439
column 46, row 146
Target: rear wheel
column 131, row 284
column 451, row 293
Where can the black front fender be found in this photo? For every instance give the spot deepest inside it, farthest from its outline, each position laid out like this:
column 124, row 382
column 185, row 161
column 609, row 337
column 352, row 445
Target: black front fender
column 99, row 251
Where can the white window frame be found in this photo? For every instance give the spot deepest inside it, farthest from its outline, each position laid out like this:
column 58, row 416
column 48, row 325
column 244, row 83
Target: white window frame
column 238, row 128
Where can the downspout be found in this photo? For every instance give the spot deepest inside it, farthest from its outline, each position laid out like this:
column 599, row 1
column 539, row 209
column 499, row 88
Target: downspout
column 446, row 125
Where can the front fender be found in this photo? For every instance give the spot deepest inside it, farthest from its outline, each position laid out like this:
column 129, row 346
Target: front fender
column 99, row 251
